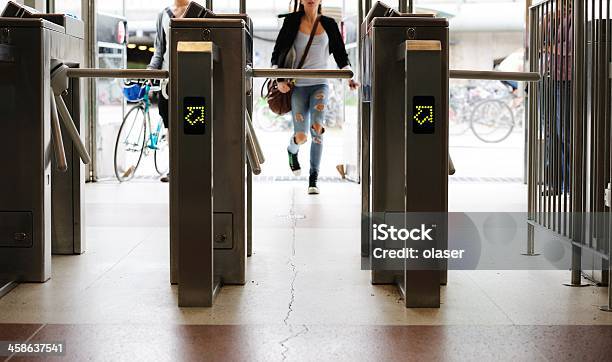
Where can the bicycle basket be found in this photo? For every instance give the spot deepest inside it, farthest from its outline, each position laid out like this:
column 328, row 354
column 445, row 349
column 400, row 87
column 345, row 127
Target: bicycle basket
column 134, row 92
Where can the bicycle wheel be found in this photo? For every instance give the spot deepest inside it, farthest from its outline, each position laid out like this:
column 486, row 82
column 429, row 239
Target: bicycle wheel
column 492, row 121
column 162, row 151
column 130, row 144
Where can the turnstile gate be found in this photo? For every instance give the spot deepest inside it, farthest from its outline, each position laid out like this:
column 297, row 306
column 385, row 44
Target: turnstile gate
column 209, row 96
column 405, row 75
column 212, row 138
column 31, row 46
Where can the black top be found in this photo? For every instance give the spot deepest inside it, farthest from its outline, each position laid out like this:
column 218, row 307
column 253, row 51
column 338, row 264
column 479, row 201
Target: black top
column 290, row 29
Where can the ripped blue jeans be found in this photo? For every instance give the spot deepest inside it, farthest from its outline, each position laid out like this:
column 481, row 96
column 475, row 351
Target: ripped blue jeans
column 308, row 104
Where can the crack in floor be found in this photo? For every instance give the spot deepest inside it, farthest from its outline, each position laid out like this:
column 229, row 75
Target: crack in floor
column 294, row 273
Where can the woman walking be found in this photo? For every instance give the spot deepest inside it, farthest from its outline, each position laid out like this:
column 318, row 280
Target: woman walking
column 304, row 27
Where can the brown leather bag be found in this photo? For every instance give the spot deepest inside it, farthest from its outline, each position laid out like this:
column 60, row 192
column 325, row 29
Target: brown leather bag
column 280, row 103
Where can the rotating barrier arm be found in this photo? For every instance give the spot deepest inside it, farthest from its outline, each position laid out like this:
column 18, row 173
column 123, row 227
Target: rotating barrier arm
column 117, row 73
column 251, row 153
column 254, row 152
column 58, row 142
column 301, row 73
column 258, row 149
column 495, row 75
column 59, row 85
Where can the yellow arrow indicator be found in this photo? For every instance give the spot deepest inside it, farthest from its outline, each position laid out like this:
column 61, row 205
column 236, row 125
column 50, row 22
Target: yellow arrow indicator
column 424, row 114
column 190, row 116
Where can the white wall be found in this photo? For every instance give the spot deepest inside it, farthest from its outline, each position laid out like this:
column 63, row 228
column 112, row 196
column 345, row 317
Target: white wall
column 478, row 50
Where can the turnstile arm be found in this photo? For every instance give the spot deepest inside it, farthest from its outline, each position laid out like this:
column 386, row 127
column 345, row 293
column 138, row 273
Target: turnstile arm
column 58, row 142
column 251, row 152
column 302, row 73
column 73, row 133
column 451, row 166
column 495, row 75
column 59, row 85
column 117, row 73
column 258, row 149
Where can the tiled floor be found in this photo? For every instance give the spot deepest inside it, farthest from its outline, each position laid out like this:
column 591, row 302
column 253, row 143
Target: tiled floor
column 110, row 342
column 305, row 289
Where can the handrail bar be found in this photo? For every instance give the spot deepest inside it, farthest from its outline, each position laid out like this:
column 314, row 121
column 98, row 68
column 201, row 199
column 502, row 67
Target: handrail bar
column 118, row 73
column 495, row 75
column 302, row 73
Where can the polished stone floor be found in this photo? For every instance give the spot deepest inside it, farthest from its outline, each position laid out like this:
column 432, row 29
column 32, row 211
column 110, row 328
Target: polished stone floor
column 306, row 297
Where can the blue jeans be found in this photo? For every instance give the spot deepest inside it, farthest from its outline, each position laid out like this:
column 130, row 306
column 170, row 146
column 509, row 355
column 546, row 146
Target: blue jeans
column 308, row 105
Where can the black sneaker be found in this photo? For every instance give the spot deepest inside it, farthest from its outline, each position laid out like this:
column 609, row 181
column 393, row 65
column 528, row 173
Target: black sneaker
column 294, row 164
column 165, row 179
column 312, row 184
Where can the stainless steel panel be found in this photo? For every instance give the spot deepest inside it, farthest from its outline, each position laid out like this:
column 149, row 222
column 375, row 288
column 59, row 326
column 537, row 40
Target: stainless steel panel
column 67, row 196
column 16, row 229
column 191, row 176
column 31, row 44
column 223, row 230
column 427, row 176
column 401, row 179
column 25, row 122
column 230, row 169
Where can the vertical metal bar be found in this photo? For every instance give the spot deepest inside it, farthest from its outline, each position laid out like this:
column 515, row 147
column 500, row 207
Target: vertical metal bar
column 209, row 4
column 403, row 6
column 542, row 141
column 411, row 6
column 360, row 93
column 548, row 112
column 608, row 54
column 243, row 8
column 592, row 117
column 531, row 135
column 530, row 120
column 607, row 117
column 578, row 139
column 570, row 112
column 88, row 13
column 554, row 114
column 608, row 308
column 601, row 140
column 564, row 108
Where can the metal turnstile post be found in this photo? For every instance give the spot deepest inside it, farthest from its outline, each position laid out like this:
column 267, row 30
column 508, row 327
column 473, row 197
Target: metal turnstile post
column 426, row 114
column 209, row 226
column 191, row 173
column 43, row 212
column 397, row 145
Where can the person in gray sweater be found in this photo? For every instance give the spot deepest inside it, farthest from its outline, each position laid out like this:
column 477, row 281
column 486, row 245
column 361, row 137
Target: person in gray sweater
column 161, row 58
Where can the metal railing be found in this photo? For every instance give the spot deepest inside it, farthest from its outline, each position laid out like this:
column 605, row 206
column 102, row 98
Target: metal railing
column 569, row 125
column 302, row 73
column 494, row 75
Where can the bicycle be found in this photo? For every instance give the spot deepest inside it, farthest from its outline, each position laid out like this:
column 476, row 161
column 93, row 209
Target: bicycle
column 491, row 119
column 136, row 135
